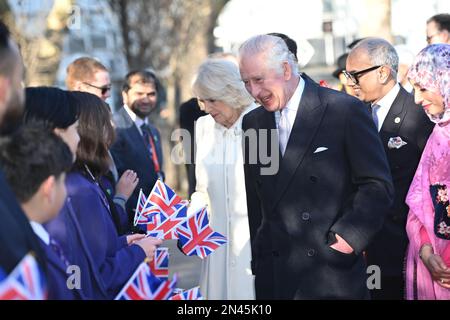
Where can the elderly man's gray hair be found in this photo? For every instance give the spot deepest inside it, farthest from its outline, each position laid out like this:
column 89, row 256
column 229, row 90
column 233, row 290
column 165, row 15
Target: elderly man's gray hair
column 380, row 52
column 275, row 48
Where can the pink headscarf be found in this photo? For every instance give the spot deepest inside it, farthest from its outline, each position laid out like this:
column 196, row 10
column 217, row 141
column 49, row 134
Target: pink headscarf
column 431, row 70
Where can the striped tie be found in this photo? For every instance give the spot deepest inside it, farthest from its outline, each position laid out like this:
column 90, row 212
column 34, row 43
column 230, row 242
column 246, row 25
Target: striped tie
column 58, row 250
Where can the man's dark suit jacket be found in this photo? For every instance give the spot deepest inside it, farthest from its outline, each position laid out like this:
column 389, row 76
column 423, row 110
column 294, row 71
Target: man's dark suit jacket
column 293, row 215
column 16, row 235
column 189, row 113
column 408, row 121
column 130, row 152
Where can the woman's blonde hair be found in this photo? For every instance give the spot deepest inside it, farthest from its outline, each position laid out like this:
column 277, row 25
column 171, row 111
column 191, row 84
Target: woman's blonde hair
column 219, row 79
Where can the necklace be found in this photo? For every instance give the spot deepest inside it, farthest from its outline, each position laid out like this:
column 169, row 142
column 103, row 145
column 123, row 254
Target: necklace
column 90, row 173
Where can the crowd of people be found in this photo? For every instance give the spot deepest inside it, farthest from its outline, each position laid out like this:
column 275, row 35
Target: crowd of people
column 310, row 185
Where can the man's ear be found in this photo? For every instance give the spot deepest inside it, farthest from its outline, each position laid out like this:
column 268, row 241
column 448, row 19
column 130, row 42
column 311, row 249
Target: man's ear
column 5, row 92
column 47, row 189
column 446, row 36
column 287, row 70
column 78, row 86
column 384, row 74
column 125, row 97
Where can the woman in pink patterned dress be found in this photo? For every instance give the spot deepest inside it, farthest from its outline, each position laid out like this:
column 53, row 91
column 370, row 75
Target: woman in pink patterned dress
column 428, row 226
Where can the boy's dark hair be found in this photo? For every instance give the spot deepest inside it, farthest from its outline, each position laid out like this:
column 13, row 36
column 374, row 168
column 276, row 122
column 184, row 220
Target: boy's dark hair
column 31, row 155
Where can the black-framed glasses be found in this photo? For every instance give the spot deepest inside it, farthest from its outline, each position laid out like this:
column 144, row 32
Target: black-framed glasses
column 355, row 75
column 103, row 89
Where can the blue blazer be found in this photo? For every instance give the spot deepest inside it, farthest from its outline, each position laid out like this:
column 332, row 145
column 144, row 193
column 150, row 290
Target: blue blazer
column 16, row 236
column 129, row 152
column 110, row 188
column 67, row 231
column 57, row 277
column 86, row 232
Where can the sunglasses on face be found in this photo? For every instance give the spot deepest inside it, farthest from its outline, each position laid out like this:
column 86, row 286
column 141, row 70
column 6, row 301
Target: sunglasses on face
column 355, row 75
column 103, row 89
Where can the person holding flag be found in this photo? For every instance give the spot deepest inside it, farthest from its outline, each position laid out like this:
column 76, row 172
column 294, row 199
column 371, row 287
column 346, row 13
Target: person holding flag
column 35, row 162
column 226, row 274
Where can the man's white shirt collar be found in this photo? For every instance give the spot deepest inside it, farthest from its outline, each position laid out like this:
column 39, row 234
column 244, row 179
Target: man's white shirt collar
column 385, row 104
column 40, row 232
column 293, row 103
column 137, row 121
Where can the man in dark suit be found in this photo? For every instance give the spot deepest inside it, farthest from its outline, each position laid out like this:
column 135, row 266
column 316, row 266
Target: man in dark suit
column 138, row 143
column 16, row 236
column 404, row 129
column 312, row 219
column 189, row 113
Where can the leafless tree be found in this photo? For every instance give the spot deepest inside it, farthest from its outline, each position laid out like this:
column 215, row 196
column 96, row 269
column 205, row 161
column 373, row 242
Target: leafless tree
column 378, row 22
column 41, row 53
column 172, row 37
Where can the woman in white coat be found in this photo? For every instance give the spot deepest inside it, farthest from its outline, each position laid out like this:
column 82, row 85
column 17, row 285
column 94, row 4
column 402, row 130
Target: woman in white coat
column 226, row 273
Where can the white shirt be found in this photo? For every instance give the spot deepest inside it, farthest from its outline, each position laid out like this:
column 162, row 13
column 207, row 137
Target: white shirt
column 385, row 104
column 292, row 106
column 40, row 232
column 138, row 122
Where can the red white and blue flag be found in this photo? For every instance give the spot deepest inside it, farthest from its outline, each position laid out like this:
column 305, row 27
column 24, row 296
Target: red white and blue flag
column 143, row 285
column 25, row 282
column 164, row 225
column 191, row 294
column 163, row 198
column 140, row 205
column 197, row 237
column 160, row 263
column 162, row 202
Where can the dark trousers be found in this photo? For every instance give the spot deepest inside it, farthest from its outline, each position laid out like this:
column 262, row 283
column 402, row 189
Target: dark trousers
column 190, row 172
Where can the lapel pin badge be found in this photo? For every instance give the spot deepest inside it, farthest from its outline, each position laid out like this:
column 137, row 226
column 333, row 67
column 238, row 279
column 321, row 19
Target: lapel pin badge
column 397, row 120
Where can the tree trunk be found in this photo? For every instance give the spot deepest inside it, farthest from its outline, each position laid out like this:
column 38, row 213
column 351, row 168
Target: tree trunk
column 41, row 54
column 216, row 8
column 377, row 21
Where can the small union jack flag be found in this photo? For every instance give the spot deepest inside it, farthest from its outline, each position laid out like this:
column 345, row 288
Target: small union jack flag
column 191, row 294
column 163, row 198
column 162, row 201
column 143, row 285
column 140, row 205
column 25, row 282
column 197, row 237
column 160, row 263
column 164, row 226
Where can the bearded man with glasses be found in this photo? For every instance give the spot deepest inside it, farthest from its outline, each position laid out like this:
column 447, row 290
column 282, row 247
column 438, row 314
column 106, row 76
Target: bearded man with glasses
column 371, row 70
